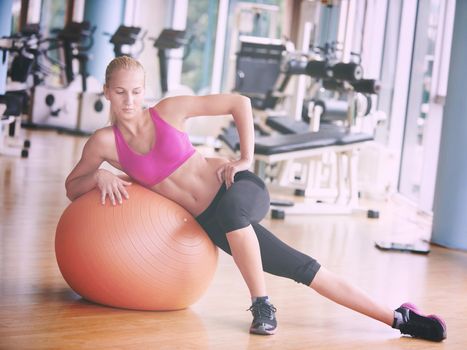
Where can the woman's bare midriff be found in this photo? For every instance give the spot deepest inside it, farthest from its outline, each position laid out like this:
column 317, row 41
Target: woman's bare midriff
column 193, row 185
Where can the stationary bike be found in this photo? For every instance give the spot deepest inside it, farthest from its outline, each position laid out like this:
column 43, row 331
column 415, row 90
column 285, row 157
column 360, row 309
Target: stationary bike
column 76, row 106
column 10, row 113
column 23, row 73
column 171, row 39
column 125, row 38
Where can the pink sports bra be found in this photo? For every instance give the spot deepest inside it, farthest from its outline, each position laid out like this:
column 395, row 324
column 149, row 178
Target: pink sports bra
column 171, row 149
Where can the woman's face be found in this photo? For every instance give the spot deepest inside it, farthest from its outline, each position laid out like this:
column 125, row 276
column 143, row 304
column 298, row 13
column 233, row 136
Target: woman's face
column 125, row 91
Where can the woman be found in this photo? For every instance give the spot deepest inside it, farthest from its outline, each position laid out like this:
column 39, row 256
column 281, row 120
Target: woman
column 226, row 199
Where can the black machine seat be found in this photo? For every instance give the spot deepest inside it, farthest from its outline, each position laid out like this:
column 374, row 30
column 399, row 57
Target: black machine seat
column 348, row 139
column 268, row 145
column 296, row 142
column 286, row 125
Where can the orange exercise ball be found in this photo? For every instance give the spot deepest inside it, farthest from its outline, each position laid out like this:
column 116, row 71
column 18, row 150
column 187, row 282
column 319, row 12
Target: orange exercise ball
column 147, row 254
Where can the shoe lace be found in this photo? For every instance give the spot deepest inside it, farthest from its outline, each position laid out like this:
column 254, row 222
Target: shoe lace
column 262, row 309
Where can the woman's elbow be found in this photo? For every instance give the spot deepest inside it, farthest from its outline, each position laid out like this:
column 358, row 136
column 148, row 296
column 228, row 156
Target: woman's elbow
column 240, row 104
column 245, row 100
column 69, row 194
column 71, row 197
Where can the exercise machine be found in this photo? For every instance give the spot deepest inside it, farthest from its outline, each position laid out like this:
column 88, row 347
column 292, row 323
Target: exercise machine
column 77, row 106
column 23, row 50
column 318, row 155
column 125, row 38
column 170, row 39
column 10, row 113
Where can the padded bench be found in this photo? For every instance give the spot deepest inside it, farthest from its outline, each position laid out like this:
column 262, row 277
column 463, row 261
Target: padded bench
column 313, row 152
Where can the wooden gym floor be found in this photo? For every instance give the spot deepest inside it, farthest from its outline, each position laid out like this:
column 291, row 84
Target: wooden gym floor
column 39, row 311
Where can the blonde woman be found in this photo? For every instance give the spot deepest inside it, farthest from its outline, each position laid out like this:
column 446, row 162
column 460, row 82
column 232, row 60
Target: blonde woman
column 228, row 201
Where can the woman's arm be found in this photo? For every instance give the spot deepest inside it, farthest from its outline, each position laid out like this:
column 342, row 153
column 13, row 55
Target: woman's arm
column 86, row 175
column 83, row 176
column 183, row 107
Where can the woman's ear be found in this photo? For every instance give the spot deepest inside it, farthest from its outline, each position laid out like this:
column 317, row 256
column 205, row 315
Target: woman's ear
column 106, row 92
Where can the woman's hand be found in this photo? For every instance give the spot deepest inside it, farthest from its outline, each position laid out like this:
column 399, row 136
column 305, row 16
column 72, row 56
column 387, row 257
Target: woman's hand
column 227, row 171
column 111, row 185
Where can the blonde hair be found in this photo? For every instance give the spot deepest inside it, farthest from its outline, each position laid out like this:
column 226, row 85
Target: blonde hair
column 121, row 62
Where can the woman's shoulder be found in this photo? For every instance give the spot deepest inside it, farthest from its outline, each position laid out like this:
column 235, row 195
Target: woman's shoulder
column 171, row 109
column 104, row 133
column 166, row 105
column 103, row 137
column 101, row 143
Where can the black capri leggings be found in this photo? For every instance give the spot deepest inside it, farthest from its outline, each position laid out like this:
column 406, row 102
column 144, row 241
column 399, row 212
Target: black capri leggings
column 245, row 203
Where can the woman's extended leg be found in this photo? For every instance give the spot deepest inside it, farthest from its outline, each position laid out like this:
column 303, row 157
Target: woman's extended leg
column 232, row 210
column 342, row 292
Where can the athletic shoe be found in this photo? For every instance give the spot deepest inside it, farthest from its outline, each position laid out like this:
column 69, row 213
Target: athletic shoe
column 264, row 318
column 414, row 323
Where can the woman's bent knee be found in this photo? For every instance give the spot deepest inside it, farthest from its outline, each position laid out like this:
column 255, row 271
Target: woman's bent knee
column 231, row 216
column 245, row 202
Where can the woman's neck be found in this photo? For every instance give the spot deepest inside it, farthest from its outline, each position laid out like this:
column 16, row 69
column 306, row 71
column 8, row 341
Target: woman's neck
column 135, row 124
